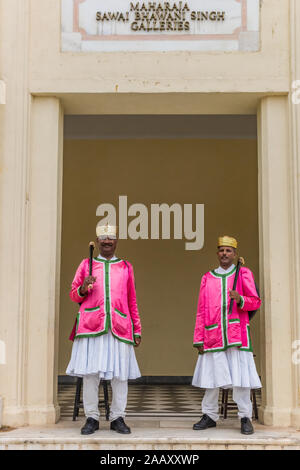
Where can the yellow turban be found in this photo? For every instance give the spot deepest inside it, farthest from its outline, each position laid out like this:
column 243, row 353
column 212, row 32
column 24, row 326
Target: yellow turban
column 227, row 241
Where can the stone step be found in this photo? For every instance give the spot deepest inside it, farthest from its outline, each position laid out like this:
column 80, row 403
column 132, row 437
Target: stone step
column 150, row 434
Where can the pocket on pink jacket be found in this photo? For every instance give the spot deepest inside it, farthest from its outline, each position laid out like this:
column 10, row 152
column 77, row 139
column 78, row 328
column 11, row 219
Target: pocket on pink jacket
column 211, row 335
column 234, row 330
column 91, row 320
column 120, row 321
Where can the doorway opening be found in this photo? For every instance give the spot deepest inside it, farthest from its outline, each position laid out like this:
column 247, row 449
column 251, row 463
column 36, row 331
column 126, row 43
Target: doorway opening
column 160, row 159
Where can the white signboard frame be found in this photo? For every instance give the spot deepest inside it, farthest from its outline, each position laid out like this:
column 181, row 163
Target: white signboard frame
column 122, row 25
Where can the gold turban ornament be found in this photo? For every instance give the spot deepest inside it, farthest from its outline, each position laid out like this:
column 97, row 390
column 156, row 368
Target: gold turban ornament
column 106, row 230
column 227, row 241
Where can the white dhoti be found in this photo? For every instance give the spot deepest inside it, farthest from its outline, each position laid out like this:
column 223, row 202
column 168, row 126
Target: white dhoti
column 227, row 369
column 103, row 357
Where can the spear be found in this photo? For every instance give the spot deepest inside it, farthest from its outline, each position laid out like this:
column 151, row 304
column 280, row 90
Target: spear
column 240, row 262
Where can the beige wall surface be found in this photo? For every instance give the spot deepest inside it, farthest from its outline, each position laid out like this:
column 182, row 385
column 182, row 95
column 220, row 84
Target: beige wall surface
column 221, row 174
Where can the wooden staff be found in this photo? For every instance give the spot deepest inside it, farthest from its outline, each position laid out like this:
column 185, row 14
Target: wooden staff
column 91, row 247
column 240, row 262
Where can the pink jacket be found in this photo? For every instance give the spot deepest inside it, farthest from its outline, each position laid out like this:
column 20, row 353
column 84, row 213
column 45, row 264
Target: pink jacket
column 215, row 329
column 111, row 304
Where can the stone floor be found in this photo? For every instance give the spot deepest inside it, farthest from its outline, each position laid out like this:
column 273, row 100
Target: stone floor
column 150, row 434
column 160, row 401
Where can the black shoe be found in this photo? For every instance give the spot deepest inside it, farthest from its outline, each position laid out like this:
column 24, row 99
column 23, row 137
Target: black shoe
column 204, row 423
column 90, row 426
column 120, row 426
column 246, row 426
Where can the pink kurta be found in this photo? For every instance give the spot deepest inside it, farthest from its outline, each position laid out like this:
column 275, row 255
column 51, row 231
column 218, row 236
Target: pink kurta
column 215, row 329
column 111, row 304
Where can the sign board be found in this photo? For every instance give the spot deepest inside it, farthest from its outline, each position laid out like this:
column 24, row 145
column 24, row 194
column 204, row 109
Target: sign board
column 192, row 25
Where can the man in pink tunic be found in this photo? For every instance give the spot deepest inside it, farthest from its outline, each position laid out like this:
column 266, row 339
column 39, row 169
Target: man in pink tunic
column 223, row 341
column 106, row 330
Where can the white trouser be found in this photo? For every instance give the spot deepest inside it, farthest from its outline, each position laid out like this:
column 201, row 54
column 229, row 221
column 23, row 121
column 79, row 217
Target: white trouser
column 241, row 396
column 91, row 397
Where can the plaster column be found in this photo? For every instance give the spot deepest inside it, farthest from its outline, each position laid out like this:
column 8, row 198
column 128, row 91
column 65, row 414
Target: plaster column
column 275, row 260
column 30, row 206
column 295, row 202
column 14, row 165
column 45, row 195
column 30, row 267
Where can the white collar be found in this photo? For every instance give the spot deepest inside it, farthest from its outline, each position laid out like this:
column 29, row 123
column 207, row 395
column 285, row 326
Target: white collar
column 220, row 270
column 111, row 259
